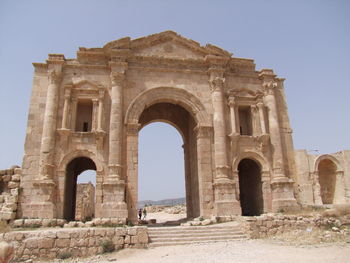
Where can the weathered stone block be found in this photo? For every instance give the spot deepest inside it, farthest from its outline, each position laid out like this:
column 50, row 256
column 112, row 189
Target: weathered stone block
column 31, row 243
column 63, row 242
column 46, row 242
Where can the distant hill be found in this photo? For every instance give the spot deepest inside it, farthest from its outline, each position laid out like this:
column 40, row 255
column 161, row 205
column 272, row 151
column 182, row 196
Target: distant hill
column 166, row 202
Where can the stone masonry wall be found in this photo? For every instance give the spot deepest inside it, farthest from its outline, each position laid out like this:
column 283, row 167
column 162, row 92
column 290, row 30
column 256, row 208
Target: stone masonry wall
column 54, row 243
column 9, row 190
column 270, row 224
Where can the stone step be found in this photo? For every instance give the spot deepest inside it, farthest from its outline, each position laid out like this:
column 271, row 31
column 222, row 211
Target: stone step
column 192, row 229
column 195, row 241
column 196, row 233
column 181, row 235
column 176, row 228
column 194, row 238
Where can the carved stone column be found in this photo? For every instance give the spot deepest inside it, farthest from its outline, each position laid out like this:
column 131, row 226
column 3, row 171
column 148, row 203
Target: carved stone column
column 43, row 203
column 224, row 187
column 114, row 204
column 94, row 114
column 116, row 126
column 66, row 107
column 74, row 113
column 49, row 127
column 220, row 150
column 282, row 186
column 255, row 120
column 232, row 105
column 100, row 110
column 270, row 101
column 262, row 117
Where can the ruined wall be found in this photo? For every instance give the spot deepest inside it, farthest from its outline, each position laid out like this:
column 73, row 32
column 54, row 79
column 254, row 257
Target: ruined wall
column 308, row 184
column 57, row 243
column 85, row 202
column 9, row 191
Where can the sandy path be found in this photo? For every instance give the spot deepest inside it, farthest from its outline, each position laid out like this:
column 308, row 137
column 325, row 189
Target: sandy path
column 247, row 251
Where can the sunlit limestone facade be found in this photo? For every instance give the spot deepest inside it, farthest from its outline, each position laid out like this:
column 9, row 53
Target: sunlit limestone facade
column 86, row 113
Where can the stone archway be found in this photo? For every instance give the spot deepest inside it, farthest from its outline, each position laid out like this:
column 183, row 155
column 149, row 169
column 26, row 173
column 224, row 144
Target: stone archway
column 250, row 185
column 185, row 112
column 73, row 169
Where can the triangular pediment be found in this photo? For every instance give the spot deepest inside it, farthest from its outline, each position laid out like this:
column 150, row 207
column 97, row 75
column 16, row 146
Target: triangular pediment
column 167, row 44
column 169, row 49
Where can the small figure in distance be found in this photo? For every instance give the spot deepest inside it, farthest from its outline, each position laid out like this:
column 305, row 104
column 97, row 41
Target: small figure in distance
column 140, row 213
column 144, row 213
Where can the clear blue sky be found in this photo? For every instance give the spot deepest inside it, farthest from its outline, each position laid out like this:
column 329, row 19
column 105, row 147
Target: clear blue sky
column 306, row 42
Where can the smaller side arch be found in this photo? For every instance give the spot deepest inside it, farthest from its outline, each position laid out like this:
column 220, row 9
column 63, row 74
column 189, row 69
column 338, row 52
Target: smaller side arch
column 261, row 161
column 327, row 157
column 80, row 153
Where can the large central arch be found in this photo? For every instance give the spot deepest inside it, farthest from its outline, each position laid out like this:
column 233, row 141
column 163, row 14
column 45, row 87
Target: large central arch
column 186, row 113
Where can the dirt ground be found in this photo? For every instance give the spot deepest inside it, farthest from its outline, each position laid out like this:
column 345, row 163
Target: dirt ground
column 233, row 251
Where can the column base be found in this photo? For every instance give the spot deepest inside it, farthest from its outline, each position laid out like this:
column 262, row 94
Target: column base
column 226, row 203
column 227, row 208
column 114, row 210
column 43, row 203
column 283, row 195
column 113, row 204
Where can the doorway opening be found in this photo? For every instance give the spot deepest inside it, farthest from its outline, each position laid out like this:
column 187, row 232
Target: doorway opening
column 79, row 192
column 250, row 186
column 327, row 177
column 167, row 156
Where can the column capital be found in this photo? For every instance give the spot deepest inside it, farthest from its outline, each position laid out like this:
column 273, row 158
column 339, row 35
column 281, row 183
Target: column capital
column 117, row 78
column 101, row 93
column 217, row 84
column 254, row 108
column 67, row 91
column 269, row 87
column 54, row 77
column 231, row 101
column 260, row 104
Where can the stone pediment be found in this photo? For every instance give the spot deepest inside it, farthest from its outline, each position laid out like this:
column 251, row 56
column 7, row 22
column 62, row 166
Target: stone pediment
column 167, row 44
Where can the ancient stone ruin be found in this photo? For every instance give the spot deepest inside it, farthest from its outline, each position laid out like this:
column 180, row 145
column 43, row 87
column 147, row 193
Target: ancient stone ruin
column 86, row 112
column 85, row 202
